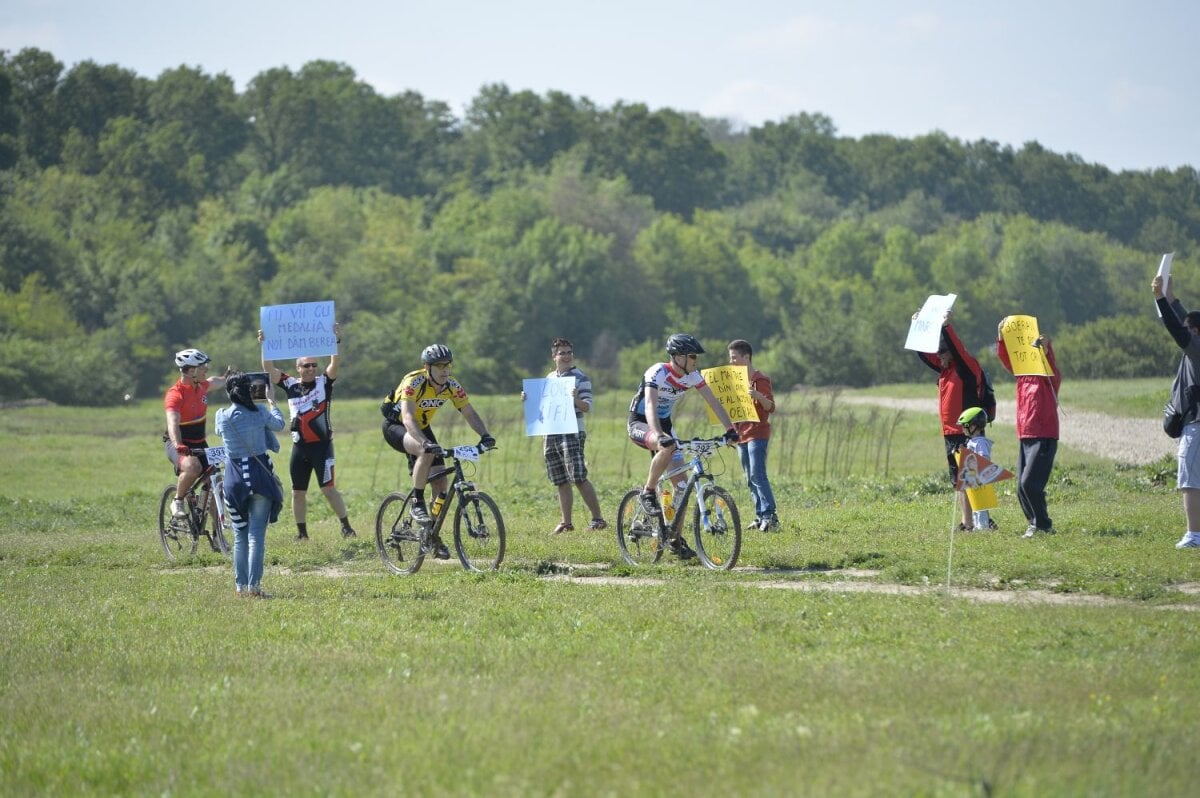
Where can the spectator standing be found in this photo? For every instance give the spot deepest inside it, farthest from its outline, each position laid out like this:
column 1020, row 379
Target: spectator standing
column 960, row 378
column 310, row 397
column 754, row 437
column 565, row 462
column 1184, row 327
column 252, row 491
column 1037, row 433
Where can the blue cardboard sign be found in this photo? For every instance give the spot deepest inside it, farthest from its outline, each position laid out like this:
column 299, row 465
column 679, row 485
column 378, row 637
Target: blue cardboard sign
column 304, row 329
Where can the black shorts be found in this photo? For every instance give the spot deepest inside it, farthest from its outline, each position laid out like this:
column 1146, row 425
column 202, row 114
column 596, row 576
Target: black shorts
column 310, row 458
column 639, row 428
column 394, row 435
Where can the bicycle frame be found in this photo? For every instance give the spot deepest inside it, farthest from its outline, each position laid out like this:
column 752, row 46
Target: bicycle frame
column 458, row 486
column 216, row 457
column 699, row 449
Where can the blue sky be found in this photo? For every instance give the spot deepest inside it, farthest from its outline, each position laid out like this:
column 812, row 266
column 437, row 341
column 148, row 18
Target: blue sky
column 1111, row 81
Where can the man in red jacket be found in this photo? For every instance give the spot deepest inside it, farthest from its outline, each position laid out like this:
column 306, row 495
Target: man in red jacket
column 1037, row 433
column 959, row 380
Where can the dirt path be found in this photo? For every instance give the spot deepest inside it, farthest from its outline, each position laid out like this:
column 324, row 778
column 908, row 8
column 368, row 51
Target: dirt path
column 1135, row 441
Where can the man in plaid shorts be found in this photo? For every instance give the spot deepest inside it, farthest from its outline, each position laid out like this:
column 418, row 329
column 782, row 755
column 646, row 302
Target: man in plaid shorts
column 565, row 463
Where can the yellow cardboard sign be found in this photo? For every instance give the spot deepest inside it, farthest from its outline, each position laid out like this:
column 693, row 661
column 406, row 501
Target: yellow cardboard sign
column 1019, row 334
column 731, row 386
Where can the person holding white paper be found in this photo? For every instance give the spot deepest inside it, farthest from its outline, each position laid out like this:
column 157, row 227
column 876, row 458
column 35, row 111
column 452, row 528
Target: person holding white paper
column 1185, row 329
column 565, row 462
column 310, row 398
column 960, row 379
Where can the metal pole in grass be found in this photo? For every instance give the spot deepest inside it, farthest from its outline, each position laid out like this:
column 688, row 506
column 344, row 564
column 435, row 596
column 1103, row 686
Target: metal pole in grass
column 954, row 507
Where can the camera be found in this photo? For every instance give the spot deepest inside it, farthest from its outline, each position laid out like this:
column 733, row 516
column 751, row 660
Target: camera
column 259, row 385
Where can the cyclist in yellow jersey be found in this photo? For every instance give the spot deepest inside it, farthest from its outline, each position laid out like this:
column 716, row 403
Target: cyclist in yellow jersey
column 407, row 413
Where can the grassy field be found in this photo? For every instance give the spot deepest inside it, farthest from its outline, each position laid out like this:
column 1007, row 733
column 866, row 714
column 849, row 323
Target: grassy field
column 568, row 673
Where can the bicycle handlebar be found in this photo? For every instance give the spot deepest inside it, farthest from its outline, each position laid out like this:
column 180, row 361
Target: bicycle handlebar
column 465, row 452
column 720, row 440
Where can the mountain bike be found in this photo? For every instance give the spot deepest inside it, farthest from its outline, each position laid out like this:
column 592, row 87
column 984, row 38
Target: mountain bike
column 403, row 543
column 205, row 517
column 716, row 526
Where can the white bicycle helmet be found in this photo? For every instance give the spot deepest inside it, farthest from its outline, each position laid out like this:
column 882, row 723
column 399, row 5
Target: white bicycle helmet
column 190, row 357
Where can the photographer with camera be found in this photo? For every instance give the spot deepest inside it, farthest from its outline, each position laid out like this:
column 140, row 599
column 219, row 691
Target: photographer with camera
column 309, row 397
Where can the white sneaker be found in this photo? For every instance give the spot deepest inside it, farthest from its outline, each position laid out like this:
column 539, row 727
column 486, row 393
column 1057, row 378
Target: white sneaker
column 1030, row 531
column 177, row 509
column 1190, row 540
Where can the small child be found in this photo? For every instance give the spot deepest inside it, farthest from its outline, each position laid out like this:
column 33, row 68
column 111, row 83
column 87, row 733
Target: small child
column 974, row 421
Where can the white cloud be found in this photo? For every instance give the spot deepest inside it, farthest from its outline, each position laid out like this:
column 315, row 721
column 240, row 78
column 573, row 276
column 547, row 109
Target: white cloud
column 795, row 33
column 752, row 102
column 1125, row 95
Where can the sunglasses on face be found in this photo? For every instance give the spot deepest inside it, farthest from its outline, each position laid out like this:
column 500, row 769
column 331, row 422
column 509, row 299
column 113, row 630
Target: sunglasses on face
column 308, row 365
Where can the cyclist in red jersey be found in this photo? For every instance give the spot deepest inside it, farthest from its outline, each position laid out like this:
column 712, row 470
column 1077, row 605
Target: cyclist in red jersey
column 186, row 405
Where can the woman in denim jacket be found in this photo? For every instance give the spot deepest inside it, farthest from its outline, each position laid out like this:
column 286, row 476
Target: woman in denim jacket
column 252, row 491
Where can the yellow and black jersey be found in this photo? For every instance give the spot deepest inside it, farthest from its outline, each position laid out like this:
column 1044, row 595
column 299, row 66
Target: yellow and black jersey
column 416, row 387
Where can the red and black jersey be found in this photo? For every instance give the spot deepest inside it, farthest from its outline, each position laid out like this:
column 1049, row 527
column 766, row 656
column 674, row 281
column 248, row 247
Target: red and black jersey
column 308, row 404
column 191, row 403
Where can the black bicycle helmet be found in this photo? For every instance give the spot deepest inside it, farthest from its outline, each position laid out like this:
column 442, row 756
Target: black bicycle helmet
column 436, row 353
column 684, row 344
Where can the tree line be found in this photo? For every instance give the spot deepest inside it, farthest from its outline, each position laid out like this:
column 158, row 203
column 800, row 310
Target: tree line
column 139, row 216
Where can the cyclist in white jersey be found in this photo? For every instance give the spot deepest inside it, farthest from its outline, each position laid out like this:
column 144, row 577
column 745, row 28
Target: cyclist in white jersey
column 662, row 385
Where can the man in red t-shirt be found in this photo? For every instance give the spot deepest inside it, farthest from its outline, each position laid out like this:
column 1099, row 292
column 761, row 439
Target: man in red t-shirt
column 753, row 437
column 186, row 405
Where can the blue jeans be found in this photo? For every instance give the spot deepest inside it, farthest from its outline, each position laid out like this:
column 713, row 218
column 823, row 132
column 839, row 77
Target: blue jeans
column 754, row 465
column 249, row 539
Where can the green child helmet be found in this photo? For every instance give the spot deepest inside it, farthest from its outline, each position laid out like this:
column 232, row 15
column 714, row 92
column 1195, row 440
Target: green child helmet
column 973, row 417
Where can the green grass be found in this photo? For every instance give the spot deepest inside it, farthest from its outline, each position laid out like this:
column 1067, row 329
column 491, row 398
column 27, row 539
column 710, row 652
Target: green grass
column 124, row 675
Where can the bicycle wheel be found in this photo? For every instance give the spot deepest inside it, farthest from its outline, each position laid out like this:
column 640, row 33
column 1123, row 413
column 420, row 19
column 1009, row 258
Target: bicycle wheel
column 397, row 535
column 175, row 534
column 718, row 529
column 637, row 531
column 479, row 532
column 214, row 532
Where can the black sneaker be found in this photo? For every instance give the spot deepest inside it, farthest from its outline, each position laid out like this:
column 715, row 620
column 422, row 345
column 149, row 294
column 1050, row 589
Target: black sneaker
column 348, row 532
column 440, row 550
column 302, row 536
column 420, row 514
column 649, row 501
column 682, row 550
